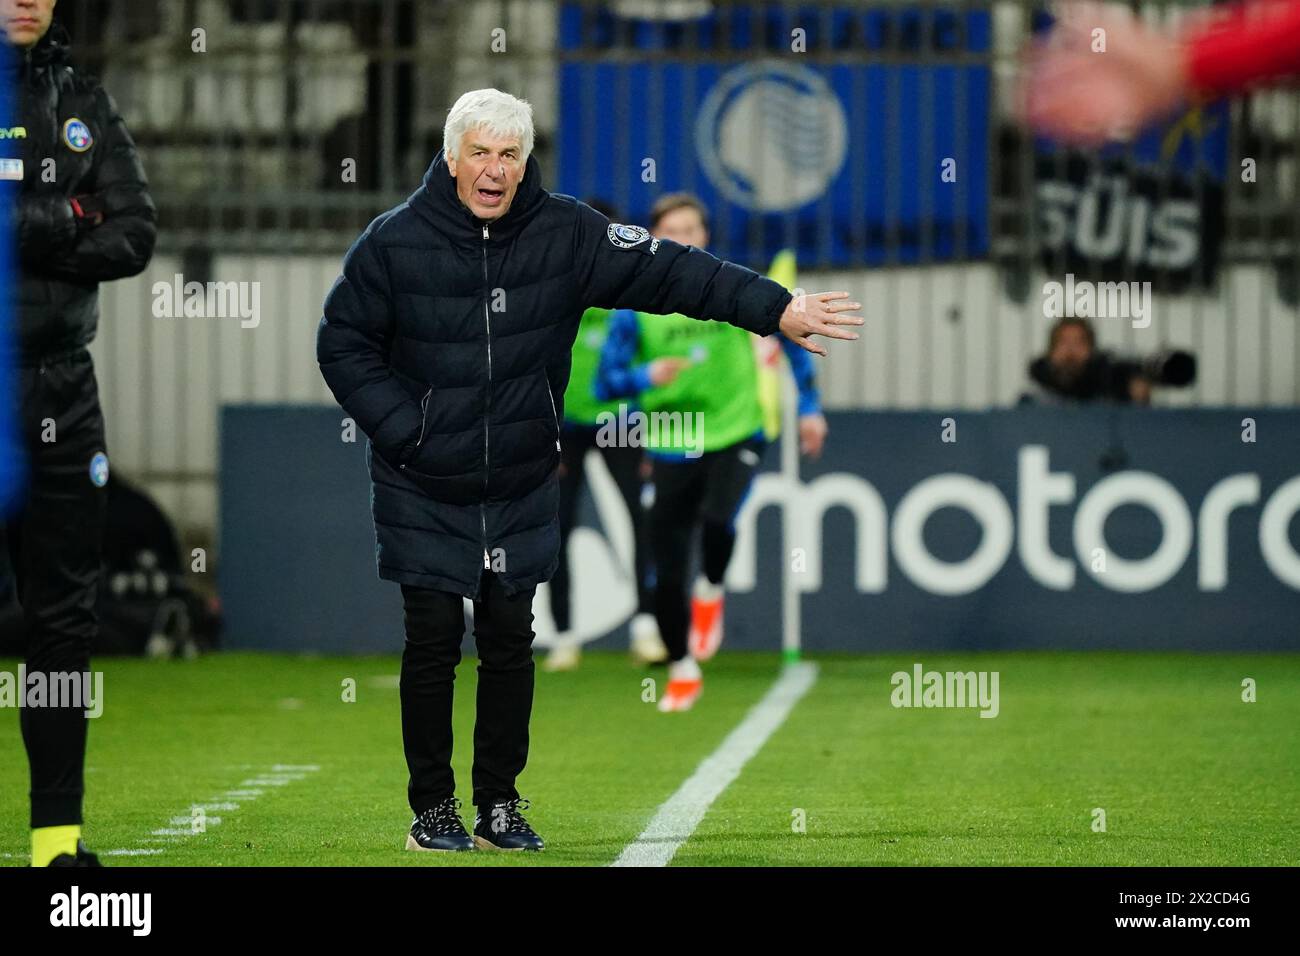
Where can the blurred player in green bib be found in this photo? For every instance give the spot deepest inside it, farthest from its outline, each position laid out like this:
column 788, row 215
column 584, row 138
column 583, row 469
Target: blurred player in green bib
column 629, row 469
column 708, row 394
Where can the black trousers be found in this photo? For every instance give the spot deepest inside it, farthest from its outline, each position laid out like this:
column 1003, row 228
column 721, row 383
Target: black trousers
column 50, row 554
column 706, row 491
column 503, row 633
column 624, row 464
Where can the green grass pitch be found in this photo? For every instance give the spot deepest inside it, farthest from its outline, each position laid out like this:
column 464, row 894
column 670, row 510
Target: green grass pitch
column 1186, row 772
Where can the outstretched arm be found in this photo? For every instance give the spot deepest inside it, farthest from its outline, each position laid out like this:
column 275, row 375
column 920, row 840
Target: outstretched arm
column 623, row 267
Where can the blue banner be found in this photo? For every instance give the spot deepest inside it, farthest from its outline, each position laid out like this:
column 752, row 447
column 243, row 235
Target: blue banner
column 848, row 160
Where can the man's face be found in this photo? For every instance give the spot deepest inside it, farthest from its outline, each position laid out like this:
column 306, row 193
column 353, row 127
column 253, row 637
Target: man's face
column 1070, row 352
column 684, row 225
column 488, row 170
column 26, row 21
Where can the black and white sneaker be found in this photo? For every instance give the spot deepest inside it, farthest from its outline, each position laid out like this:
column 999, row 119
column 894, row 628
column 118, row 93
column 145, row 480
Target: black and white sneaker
column 501, row 826
column 439, row 829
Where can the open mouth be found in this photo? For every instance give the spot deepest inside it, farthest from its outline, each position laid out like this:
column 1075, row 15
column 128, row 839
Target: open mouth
column 489, row 195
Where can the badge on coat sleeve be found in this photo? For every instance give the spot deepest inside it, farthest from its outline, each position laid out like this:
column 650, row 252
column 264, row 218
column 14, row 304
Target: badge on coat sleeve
column 76, row 135
column 99, row 469
column 628, row 237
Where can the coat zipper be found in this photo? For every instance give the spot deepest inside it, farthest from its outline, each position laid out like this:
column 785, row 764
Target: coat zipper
column 487, row 324
column 424, row 417
column 554, row 414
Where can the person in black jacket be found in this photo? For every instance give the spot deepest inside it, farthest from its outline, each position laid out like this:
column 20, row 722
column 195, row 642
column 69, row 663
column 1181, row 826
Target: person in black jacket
column 84, row 217
column 448, row 340
column 1073, row 370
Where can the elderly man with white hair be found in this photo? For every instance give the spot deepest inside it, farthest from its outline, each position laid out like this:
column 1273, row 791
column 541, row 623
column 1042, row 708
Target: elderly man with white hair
column 448, row 339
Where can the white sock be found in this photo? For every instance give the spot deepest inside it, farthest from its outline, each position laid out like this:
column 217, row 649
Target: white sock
column 685, row 669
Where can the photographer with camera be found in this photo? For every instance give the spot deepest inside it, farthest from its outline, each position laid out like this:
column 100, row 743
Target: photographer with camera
column 1073, row 370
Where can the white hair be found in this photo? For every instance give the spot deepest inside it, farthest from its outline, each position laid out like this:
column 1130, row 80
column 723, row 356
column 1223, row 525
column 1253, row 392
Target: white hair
column 499, row 113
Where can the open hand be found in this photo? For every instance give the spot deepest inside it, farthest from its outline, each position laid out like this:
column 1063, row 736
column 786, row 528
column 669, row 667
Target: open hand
column 819, row 313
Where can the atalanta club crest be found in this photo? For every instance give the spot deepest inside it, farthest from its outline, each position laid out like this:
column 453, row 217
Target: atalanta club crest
column 627, row 237
column 76, row 135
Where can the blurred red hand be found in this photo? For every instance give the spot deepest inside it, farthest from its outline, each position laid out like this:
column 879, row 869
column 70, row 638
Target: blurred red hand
column 1081, row 96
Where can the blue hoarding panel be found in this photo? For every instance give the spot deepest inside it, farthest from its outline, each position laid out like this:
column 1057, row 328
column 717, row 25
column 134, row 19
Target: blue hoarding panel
column 849, row 161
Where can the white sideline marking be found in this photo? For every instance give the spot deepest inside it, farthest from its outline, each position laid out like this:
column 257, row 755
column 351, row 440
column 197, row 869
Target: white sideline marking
column 278, row 780
column 27, row 856
column 679, row 815
column 278, row 775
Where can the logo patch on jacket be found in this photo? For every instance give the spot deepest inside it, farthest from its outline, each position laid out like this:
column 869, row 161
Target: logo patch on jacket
column 628, row 237
column 76, row 135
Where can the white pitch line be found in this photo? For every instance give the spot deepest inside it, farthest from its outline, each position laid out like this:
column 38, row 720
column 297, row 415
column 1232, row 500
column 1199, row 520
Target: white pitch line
column 681, row 813
column 124, row 852
column 279, row 775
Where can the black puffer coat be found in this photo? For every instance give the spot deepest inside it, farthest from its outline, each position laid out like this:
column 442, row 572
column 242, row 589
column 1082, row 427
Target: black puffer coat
column 68, row 119
column 448, row 340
